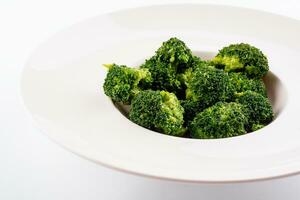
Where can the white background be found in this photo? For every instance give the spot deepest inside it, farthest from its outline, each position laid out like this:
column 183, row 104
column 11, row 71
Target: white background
column 34, row 168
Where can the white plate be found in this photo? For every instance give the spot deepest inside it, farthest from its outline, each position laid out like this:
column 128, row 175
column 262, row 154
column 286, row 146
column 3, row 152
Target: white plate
column 62, row 89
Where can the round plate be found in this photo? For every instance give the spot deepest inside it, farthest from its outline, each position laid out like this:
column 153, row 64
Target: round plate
column 62, row 89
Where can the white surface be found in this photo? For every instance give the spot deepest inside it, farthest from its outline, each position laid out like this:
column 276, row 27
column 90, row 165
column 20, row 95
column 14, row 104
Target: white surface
column 63, row 92
column 32, row 167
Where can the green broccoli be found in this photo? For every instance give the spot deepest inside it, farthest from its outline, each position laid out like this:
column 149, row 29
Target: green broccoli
column 123, row 83
column 242, row 83
column 256, row 127
column 177, row 93
column 191, row 108
column 170, row 60
column 164, row 76
column 208, row 85
column 219, row 121
column 175, row 52
column 159, row 111
column 258, row 109
column 242, row 58
column 196, row 62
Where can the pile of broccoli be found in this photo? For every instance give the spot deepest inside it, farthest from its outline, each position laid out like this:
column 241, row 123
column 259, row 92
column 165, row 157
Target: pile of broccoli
column 177, row 93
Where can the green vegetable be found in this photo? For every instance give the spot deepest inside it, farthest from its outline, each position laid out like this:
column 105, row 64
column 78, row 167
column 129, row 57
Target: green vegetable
column 175, row 52
column 123, row 83
column 258, row 109
column 164, row 75
column 242, row 58
column 177, row 93
column 208, row 86
column 166, row 66
column 256, row 127
column 219, row 121
column 241, row 84
column 158, row 110
column 191, row 108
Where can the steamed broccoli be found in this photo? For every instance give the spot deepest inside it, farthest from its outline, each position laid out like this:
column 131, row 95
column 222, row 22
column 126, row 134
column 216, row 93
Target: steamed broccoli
column 164, row 75
column 241, row 84
column 177, row 93
column 175, row 52
column 191, row 108
column 219, row 121
column 242, row 58
column 170, row 60
column 258, row 109
column 196, row 62
column 208, row 85
column 123, row 83
column 158, row 110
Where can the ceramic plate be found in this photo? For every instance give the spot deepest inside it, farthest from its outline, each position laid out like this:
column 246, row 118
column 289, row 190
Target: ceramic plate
column 62, row 89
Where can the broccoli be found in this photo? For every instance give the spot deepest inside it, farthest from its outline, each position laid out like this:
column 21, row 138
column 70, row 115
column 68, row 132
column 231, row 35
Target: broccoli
column 164, row 76
column 158, row 110
column 177, row 93
column 170, row 60
column 241, row 84
column 123, row 83
column 242, row 58
column 175, row 52
column 191, row 108
column 256, row 127
column 196, row 62
column 258, row 109
column 208, row 85
column 219, row 121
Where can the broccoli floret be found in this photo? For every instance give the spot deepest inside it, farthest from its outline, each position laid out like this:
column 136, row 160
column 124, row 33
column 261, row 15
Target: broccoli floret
column 123, row 83
column 164, row 75
column 174, row 51
column 196, row 62
column 242, row 83
column 257, row 107
column 159, row 111
column 256, row 127
column 219, row 121
column 242, row 58
column 191, row 108
column 170, row 60
column 208, row 85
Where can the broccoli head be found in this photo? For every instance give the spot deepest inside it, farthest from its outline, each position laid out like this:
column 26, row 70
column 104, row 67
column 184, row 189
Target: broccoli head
column 174, row 51
column 219, row 121
column 164, row 76
column 170, row 60
column 208, row 85
column 242, row 58
column 241, row 84
column 257, row 107
column 123, row 83
column 191, row 108
column 196, row 62
column 159, row 111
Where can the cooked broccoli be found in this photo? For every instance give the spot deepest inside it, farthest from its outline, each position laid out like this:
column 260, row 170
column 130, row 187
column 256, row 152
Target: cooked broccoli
column 170, row 60
column 175, row 52
column 123, row 83
column 177, row 93
column 208, row 85
column 219, row 121
column 191, row 108
column 256, row 127
column 257, row 107
column 165, row 76
column 158, row 110
column 196, row 62
column 242, row 58
column 241, row 84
